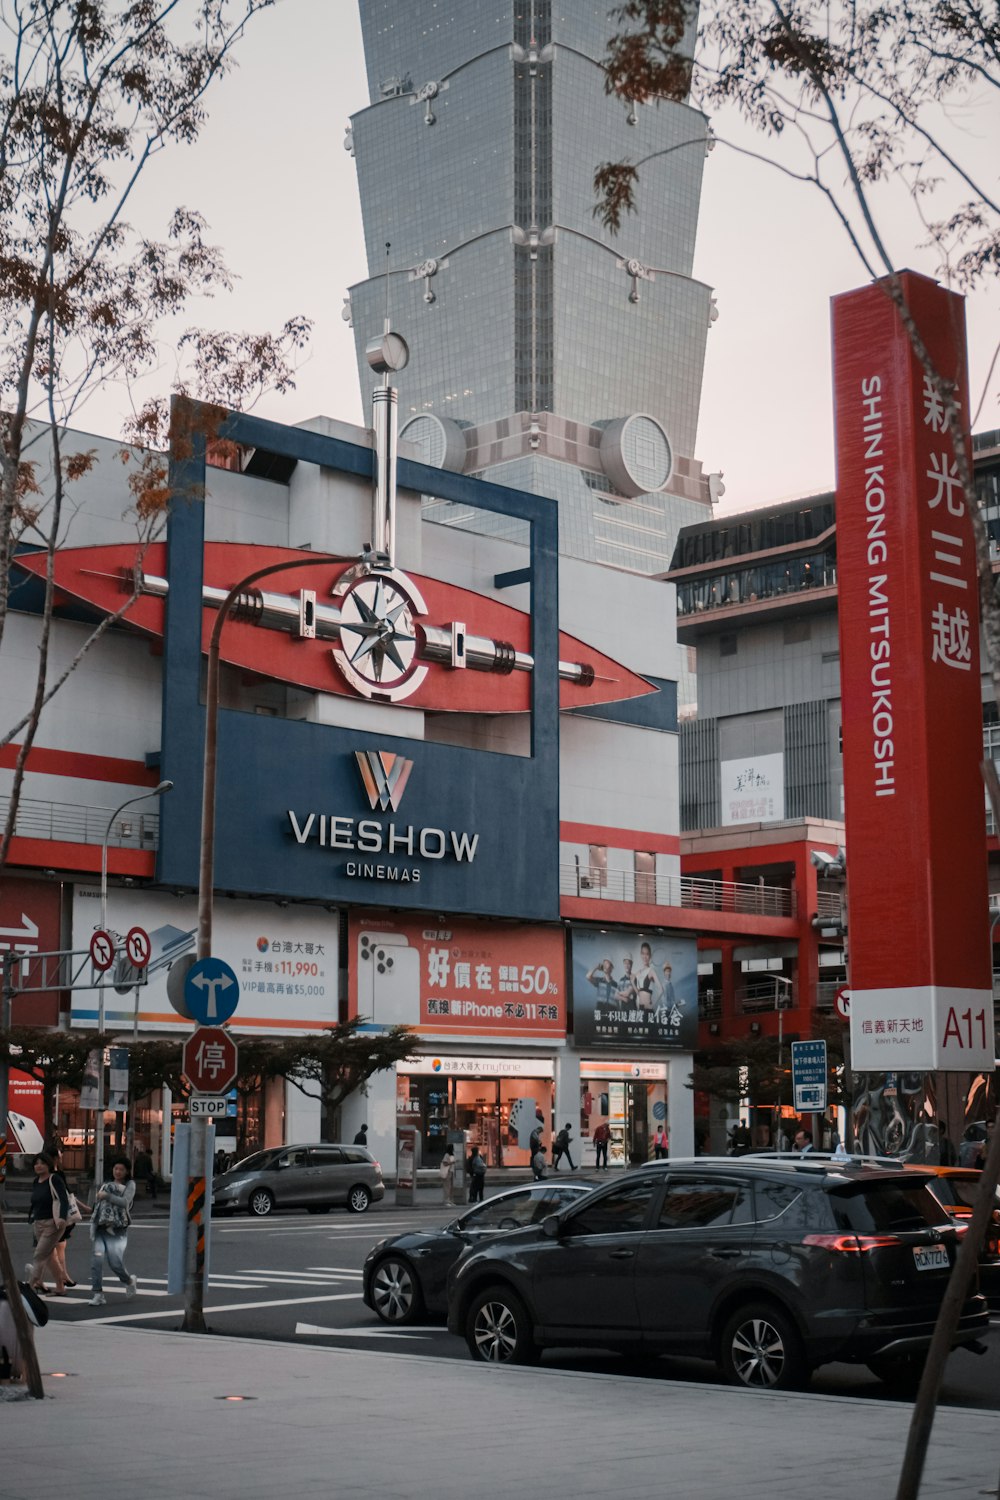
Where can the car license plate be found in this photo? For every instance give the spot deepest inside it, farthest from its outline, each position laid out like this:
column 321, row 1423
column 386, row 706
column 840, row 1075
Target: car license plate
column 931, row 1257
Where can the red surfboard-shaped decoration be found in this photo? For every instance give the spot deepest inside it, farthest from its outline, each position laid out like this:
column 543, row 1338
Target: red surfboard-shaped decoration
column 495, row 637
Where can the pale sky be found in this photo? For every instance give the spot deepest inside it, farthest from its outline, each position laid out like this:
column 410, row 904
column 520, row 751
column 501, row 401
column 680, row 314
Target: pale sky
column 272, row 177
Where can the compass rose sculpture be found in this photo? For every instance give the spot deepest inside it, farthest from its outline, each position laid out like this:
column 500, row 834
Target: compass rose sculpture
column 379, row 645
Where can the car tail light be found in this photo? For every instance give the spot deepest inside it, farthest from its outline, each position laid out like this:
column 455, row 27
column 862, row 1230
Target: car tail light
column 378, row 1166
column 852, row 1244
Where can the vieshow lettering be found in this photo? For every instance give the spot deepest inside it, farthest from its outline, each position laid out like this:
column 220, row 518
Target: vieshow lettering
column 367, row 836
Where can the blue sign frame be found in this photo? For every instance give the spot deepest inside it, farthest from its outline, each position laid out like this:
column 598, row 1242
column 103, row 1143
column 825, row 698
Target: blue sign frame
column 809, row 1076
column 269, row 768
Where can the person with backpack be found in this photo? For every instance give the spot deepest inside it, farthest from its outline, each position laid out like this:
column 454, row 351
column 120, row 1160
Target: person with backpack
column 562, row 1148
column 477, row 1175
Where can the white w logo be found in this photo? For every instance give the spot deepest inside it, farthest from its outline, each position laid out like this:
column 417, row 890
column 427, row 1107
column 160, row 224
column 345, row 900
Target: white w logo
column 385, row 775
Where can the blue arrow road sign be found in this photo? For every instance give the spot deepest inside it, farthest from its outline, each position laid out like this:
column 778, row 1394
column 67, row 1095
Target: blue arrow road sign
column 809, row 1076
column 211, row 991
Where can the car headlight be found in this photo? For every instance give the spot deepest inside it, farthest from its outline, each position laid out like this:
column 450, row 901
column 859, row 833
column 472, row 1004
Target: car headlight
column 231, row 1187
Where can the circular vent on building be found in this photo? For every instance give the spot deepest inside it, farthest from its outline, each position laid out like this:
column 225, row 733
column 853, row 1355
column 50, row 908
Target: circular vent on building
column 636, row 454
column 440, row 440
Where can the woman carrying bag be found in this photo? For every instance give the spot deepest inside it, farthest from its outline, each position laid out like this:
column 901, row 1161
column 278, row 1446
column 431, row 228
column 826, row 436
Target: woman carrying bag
column 49, row 1214
column 109, row 1231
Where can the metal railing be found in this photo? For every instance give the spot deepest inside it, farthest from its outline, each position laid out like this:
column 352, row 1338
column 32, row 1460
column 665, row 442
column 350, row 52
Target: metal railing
column 761, row 994
column 72, row 823
column 830, row 904
column 710, row 1005
column 676, row 890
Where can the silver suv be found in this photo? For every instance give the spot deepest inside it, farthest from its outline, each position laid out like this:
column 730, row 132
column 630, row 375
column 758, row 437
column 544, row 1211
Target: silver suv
column 315, row 1177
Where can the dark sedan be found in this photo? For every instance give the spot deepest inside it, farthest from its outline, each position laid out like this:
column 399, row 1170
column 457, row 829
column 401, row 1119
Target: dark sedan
column 406, row 1276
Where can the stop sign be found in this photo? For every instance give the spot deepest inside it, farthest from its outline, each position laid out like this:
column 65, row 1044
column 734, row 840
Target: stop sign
column 210, row 1060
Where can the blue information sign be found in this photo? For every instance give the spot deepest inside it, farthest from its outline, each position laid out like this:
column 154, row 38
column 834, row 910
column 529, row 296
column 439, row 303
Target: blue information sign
column 211, row 991
column 809, row 1076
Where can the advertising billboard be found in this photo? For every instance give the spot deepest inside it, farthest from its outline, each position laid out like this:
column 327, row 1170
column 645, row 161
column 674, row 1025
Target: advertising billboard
column 634, row 990
column 25, row 1113
column 457, row 978
column 921, row 986
column 753, row 789
column 284, row 957
column 29, row 924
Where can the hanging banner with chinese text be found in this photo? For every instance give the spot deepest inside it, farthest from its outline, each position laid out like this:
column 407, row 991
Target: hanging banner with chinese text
column 457, row 978
column 921, row 990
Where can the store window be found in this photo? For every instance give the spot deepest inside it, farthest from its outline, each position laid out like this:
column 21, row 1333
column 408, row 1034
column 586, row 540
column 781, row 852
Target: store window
column 495, row 1114
column 598, row 872
column 645, row 876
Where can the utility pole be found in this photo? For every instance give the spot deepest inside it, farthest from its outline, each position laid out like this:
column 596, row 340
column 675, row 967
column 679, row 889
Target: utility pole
column 6, row 1010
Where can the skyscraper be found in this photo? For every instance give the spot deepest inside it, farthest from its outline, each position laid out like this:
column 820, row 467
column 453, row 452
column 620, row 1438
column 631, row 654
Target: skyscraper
column 545, row 353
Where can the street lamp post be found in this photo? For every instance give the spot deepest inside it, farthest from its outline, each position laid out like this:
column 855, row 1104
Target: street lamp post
column 194, row 1311
column 159, row 791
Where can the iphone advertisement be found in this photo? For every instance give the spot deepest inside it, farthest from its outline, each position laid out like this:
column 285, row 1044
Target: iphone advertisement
column 457, row 978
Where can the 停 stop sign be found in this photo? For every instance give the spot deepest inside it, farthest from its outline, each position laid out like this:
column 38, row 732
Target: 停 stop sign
column 210, row 1060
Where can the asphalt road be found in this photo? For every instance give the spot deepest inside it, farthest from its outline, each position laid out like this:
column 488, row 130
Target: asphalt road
column 297, row 1277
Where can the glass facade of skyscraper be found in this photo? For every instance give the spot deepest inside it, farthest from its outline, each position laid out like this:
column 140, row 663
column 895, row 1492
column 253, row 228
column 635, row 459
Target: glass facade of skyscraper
column 476, row 160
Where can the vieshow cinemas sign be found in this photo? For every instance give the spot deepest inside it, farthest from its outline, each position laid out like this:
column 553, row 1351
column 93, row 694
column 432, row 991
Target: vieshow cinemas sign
column 921, row 992
column 382, row 851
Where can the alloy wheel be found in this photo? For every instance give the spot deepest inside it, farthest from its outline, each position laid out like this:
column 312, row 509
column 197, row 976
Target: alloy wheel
column 393, row 1291
column 758, row 1353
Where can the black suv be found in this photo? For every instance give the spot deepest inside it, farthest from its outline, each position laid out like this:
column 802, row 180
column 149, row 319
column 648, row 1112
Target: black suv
column 770, row 1268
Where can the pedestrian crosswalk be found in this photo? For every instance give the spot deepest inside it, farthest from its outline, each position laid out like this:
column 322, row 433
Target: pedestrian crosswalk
column 252, row 1279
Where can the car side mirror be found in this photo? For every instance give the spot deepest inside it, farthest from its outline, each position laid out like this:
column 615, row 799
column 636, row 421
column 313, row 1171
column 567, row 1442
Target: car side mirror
column 552, row 1227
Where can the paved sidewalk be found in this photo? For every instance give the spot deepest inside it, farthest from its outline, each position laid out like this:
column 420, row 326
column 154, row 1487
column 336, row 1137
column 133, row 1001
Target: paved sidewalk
column 141, row 1414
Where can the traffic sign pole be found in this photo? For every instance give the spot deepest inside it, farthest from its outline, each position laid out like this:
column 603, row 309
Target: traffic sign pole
column 210, row 1059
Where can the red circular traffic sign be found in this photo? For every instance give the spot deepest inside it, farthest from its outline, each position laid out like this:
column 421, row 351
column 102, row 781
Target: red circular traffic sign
column 210, row 1060
column 842, row 1002
column 138, row 947
column 102, row 950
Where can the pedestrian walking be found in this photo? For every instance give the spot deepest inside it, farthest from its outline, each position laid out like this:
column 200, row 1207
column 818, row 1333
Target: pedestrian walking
column 477, row 1175
column 447, row 1170
column 53, row 1148
column 109, row 1226
column 562, row 1148
column 361, row 1139
column 602, row 1139
column 49, row 1215
column 660, row 1143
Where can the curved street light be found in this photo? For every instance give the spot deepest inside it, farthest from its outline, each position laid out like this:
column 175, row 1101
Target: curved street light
column 159, row 791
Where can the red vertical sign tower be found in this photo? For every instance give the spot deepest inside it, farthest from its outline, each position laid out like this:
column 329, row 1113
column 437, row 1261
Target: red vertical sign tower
column 921, row 983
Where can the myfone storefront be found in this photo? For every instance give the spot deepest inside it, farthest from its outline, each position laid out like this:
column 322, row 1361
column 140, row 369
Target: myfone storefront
column 487, row 1002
